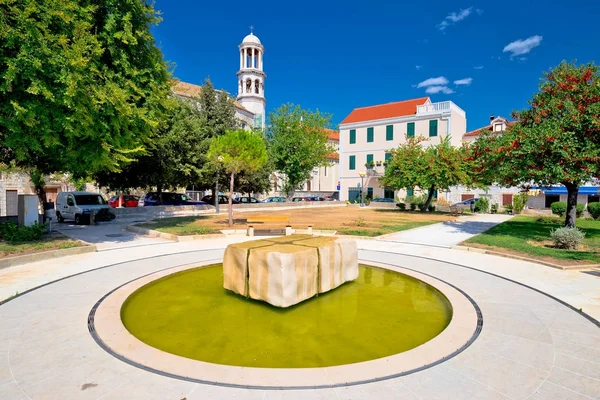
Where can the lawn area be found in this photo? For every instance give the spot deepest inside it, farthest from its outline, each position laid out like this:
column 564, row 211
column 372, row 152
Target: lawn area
column 530, row 237
column 51, row 241
column 350, row 220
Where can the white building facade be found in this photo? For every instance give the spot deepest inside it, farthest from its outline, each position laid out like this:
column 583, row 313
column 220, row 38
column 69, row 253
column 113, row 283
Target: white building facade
column 368, row 134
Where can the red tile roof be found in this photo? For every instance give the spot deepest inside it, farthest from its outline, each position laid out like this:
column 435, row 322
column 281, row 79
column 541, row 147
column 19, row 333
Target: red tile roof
column 333, row 135
column 476, row 132
column 193, row 91
column 383, row 111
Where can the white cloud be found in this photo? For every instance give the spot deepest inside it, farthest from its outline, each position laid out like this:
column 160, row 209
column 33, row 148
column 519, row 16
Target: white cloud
column 439, row 81
column 418, row 67
column 478, row 67
column 454, row 17
column 465, row 81
column 522, row 46
column 439, row 89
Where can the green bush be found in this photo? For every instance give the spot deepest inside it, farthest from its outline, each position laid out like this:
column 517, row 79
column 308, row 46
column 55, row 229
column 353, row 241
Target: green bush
column 508, row 209
column 567, row 238
column 482, row 205
column 594, row 210
column 11, row 232
column 401, row 206
column 559, row 208
column 519, row 202
column 494, row 208
column 431, row 208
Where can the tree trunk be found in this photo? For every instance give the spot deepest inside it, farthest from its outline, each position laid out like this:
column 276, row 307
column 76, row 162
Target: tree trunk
column 290, row 194
column 571, row 215
column 231, row 199
column 429, row 197
column 39, row 182
column 159, row 190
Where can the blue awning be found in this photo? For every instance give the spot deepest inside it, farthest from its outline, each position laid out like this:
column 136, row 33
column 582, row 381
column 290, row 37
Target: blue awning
column 556, row 190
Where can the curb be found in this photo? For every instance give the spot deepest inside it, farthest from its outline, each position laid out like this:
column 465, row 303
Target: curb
column 46, row 255
column 531, row 260
column 170, row 236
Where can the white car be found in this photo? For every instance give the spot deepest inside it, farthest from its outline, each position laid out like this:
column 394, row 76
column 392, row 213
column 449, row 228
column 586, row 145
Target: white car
column 78, row 206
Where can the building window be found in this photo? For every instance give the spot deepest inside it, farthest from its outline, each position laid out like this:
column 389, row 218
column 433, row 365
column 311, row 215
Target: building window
column 410, row 192
column 370, row 135
column 352, row 136
column 389, row 132
column 388, row 193
column 369, row 159
column 433, row 128
column 593, row 198
column 410, row 129
column 352, row 162
column 498, row 128
column 388, row 157
column 551, row 198
column 370, row 193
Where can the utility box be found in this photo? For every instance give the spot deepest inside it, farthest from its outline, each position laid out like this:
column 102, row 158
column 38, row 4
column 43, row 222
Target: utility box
column 28, row 208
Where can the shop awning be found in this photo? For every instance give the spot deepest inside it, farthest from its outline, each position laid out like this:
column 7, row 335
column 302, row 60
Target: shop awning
column 583, row 190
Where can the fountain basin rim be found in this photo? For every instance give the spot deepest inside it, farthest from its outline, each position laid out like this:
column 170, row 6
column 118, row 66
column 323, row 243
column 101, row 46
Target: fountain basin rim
column 108, row 330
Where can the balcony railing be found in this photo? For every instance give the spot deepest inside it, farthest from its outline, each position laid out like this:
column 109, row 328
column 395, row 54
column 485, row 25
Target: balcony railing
column 443, row 106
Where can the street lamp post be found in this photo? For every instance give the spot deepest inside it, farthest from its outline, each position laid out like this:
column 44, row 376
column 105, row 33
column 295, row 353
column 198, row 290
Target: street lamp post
column 362, row 188
column 220, row 160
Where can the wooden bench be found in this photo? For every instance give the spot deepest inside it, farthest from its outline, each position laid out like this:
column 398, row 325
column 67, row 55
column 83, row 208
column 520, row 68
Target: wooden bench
column 270, row 225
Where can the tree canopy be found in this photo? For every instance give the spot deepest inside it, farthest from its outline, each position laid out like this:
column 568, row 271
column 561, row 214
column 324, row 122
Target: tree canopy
column 554, row 141
column 298, row 142
column 82, row 83
column 237, row 151
column 430, row 168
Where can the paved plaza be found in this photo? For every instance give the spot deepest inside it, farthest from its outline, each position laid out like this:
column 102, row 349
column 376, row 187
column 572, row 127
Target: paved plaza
column 532, row 343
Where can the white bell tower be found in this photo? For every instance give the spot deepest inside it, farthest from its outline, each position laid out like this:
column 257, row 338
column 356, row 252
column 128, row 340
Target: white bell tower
column 251, row 78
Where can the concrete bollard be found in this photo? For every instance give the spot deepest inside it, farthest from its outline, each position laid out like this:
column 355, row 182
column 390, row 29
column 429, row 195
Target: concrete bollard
column 310, row 230
column 250, row 230
column 288, row 230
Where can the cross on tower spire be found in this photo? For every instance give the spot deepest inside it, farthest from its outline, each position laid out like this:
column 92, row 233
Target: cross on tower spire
column 251, row 30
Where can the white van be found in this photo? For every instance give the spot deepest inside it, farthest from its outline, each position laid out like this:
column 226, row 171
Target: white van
column 78, row 206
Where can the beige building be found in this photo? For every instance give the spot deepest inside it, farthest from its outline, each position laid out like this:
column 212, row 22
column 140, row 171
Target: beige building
column 367, row 135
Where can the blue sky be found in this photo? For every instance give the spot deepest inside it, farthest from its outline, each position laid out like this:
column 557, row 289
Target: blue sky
column 486, row 57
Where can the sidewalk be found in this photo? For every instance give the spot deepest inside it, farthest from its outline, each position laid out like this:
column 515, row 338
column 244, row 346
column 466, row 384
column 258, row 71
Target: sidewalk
column 450, row 233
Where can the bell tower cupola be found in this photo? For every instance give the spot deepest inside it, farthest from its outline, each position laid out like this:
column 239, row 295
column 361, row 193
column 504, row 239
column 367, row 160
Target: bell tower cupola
column 251, row 78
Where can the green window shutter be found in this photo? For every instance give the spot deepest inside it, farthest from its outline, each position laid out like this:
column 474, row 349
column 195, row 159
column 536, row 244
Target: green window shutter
column 369, row 158
column 370, row 135
column 433, row 125
column 352, row 136
column 370, row 193
column 352, row 162
column 389, row 132
column 409, row 191
column 410, row 129
column 388, row 157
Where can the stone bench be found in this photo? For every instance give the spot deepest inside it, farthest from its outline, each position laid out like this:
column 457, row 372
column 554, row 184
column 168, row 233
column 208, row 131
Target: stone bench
column 269, row 225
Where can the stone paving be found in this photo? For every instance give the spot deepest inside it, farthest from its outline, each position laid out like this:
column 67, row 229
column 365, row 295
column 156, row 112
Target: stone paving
column 531, row 346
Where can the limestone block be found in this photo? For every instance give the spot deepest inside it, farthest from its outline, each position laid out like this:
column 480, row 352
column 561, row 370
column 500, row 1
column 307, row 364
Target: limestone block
column 235, row 266
column 282, row 274
column 338, row 260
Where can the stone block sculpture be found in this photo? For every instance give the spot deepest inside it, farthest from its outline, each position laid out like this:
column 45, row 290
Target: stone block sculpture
column 287, row 270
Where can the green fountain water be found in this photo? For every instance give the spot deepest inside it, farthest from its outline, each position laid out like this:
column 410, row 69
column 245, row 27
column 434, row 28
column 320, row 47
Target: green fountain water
column 380, row 314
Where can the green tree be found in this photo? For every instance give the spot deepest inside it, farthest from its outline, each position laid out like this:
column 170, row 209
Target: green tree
column 82, row 84
column 238, row 151
column 555, row 140
column 175, row 154
column 435, row 167
column 298, row 142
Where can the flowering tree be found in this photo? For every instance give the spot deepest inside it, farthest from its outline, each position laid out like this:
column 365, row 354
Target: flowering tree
column 432, row 167
column 556, row 140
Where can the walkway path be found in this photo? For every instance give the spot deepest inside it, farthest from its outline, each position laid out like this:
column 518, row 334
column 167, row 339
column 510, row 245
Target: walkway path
column 450, row 233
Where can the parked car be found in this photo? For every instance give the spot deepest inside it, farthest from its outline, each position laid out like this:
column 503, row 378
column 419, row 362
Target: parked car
column 315, row 198
column 78, row 206
column 467, row 203
column 127, row 200
column 169, row 199
column 275, row 199
column 297, row 199
column 222, row 200
column 383, row 200
column 248, row 200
